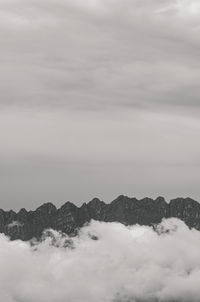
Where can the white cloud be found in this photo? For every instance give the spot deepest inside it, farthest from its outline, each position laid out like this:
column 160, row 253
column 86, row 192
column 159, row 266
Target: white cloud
column 124, row 264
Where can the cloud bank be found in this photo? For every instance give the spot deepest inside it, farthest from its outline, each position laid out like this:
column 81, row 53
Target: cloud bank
column 122, row 264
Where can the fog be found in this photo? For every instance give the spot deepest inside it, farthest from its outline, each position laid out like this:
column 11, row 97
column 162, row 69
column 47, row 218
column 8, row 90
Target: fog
column 106, row 262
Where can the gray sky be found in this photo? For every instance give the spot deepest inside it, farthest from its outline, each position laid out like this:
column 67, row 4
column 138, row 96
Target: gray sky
column 98, row 98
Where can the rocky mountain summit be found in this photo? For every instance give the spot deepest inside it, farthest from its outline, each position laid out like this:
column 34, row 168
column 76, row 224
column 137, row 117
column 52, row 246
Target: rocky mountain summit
column 69, row 218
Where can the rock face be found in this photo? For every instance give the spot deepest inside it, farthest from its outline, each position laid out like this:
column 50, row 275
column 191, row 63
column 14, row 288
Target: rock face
column 69, row 218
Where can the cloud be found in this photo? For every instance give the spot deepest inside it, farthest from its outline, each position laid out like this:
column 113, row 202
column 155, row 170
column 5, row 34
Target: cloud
column 125, row 264
column 100, row 54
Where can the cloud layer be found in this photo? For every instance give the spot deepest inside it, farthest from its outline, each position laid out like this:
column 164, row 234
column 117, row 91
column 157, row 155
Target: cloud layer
column 98, row 97
column 100, row 54
column 124, row 264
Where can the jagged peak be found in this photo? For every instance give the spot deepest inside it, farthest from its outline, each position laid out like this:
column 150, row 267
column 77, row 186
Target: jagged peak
column 11, row 212
column 83, row 205
column 22, row 211
column 160, row 199
column 147, row 199
column 95, row 201
column 68, row 205
column 182, row 200
column 120, row 198
column 47, row 206
column 188, row 199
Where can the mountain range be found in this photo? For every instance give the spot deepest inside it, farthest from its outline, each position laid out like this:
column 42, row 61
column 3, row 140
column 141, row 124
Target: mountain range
column 69, row 218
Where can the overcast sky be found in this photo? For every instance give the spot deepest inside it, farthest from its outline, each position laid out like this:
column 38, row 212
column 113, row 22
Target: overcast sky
column 98, row 98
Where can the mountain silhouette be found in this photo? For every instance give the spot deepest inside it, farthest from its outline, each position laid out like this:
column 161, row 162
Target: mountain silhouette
column 69, row 218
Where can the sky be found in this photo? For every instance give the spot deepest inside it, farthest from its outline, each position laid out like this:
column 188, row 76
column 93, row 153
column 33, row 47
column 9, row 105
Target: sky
column 124, row 264
column 98, row 98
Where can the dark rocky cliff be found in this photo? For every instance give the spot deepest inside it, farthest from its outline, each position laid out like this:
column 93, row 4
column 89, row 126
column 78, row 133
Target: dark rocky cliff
column 69, row 218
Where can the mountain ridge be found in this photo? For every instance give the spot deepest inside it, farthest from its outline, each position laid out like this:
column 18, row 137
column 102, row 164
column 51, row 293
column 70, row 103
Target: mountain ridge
column 69, row 218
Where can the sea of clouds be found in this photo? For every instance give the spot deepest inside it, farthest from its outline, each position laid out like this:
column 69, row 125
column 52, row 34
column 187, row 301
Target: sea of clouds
column 105, row 262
